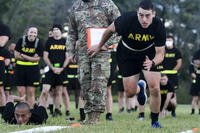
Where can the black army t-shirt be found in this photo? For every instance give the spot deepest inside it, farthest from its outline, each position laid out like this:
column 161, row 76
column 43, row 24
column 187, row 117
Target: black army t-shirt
column 138, row 38
column 4, row 31
column 4, row 54
column 56, row 50
column 171, row 57
column 164, row 89
column 29, row 47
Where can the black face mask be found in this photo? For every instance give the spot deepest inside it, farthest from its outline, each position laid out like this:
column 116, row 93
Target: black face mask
column 85, row 0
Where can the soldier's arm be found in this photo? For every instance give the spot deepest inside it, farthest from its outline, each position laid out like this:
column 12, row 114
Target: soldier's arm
column 169, row 95
column 160, row 51
column 66, row 62
column 46, row 60
column 72, row 35
column 113, row 13
column 178, row 64
column 107, row 34
column 18, row 55
column 35, row 58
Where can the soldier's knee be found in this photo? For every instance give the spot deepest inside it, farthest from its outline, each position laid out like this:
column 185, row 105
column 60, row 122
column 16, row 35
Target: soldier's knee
column 155, row 92
column 130, row 93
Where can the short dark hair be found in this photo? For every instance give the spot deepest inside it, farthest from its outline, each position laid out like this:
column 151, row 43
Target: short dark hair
column 146, row 5
column 59, row 26
column 23, row 105
column 170, row 36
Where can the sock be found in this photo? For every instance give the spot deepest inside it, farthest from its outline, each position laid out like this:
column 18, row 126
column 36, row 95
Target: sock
column 141, row 114
column 108, row 114
column 82, row 114
column 136, row 108
column 193, row 110
column 173, row 110
column 154, row 117
column 67, row 113
column 2, row 109
column 51, row 108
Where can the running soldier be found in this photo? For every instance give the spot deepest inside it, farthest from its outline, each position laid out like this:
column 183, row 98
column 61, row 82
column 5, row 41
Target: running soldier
column 140, row 49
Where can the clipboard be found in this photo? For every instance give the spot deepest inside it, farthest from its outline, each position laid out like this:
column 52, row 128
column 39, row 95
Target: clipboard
column 94, row 36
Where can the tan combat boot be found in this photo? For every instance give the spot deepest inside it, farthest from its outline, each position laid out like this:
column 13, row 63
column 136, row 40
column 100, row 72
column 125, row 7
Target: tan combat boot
column 89, row 119
column 96, row 117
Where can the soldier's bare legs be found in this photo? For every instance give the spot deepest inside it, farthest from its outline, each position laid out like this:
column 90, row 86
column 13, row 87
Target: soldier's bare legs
column 130, row 85
column 31, row 96
column 44, row 94
column 66, row 100
column 58, row 99
column 21, row 91
column 109, row 103
column 81, row 108
column 153, row 81
column 121, row 101
column 194, row 104
column 2, row 99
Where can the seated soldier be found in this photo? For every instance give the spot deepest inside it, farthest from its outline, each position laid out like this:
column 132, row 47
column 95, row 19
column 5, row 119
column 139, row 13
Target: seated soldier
column 21, row 112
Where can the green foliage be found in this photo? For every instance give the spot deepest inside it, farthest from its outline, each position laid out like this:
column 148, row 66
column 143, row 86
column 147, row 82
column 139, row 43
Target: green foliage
column 25, row 13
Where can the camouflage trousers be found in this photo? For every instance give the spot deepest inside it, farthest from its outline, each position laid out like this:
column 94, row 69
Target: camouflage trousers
column 93, row 74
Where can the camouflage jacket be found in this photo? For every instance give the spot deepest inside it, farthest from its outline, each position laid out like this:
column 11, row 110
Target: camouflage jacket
column 93, row 14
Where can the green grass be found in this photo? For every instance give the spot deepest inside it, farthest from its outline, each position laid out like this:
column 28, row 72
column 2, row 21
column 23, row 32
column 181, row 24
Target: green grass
column 123, row 123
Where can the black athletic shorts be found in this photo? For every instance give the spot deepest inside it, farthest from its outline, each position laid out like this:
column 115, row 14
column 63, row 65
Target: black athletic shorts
column 54, row 79
column 113, row 66
column 8, row 83
column 119, row 83
column 27, row 75
column 195, row 89
column 112, row 78
column 73, row 84
column 131, row 67
column 173, row 79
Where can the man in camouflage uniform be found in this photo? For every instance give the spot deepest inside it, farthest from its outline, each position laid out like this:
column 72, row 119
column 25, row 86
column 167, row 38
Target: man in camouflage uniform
column 93, row 72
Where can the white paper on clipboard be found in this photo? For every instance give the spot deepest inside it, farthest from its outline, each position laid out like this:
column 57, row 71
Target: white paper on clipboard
column 94, row 36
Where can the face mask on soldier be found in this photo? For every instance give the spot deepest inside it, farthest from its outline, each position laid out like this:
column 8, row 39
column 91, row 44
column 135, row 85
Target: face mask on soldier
column 85, row 0
column 169, row 44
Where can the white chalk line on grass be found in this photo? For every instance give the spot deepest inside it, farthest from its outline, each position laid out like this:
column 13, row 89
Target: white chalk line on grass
column 42, row 129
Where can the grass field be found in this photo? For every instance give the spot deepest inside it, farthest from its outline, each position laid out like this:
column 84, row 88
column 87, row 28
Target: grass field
column 123, row 123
